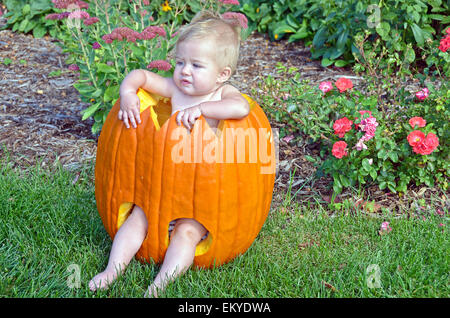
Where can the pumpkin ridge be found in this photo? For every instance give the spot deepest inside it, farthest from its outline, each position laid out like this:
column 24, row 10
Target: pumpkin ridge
column 100, row 174
column 150, row 133
column 163, row 182
column 130, row 174
column 114, row 173
column 255, row 123
column 112, row 217
column 238, row 205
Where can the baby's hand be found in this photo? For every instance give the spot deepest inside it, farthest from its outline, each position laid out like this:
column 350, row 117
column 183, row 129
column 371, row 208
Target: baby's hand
column 188, row 116
column 130, row 109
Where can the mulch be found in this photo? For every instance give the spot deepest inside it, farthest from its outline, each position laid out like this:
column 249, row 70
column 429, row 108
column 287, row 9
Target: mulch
column 40, row 117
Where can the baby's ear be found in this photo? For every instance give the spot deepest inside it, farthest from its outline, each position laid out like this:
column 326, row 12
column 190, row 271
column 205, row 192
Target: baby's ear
column 224, row 75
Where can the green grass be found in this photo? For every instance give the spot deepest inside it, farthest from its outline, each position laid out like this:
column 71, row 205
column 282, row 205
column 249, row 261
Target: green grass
column 49, row 221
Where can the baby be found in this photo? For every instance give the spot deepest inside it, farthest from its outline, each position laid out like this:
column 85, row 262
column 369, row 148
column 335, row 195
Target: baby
column 207, row 51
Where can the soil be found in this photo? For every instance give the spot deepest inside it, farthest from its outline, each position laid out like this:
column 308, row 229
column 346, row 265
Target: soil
column 40, row 117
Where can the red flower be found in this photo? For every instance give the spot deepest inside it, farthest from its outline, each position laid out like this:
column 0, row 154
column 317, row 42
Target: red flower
column 339, row 149
column 421, row 144
column 161, row 65
column 423, row 93
column 343, row 84
column 428, row 145
column 236, row 18
column 341, row 126
column 444, row 44
column 415, row 137
column 419, row 121
column 91, row 20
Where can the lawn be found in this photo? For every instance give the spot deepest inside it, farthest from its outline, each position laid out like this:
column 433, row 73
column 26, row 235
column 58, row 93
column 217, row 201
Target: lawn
column 52, row 242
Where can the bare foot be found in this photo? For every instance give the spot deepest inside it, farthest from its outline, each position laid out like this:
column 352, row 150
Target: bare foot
column 152, row 291
column 102, row 280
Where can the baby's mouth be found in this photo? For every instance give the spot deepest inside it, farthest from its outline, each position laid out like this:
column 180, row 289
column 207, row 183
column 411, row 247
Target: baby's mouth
column 185, row 82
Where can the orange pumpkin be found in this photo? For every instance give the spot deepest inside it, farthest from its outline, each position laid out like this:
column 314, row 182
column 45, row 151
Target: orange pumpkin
column 224, row 181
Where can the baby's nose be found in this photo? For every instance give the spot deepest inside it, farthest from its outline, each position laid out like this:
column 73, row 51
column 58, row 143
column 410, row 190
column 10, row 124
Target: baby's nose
column 186, row 70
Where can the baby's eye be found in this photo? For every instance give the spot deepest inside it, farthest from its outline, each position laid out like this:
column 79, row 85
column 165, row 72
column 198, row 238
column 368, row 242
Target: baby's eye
column 197, row 65
column 179, row 63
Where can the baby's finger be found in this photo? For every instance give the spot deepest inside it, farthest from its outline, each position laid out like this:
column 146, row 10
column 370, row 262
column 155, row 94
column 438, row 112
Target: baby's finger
column 125, row 119
column 186, row 121
column 192, row 119
column 178, row 118
column 137, row 114
column 131, row 118
column 119, row 115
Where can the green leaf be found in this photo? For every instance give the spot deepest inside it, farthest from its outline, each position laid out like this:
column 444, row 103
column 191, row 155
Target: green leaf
column 373, row 174
column 292, row 21
column 342, row 40
column 366, row 165
column 383, row 29
column 102, row 67
column 410, row 55
column 418, row 34
column 84, row 89
column 337, row 187
column 23, row 25
column 39, row 31
column 393, row 155
column 26, row 9
column 320, row 37
column 382, row 154
column 40, row 5
column 310, row 159
column 300, row 34
column 341, row 63
column 88, row 112
column 326, row 62
column 98, row 92
column 111, row 93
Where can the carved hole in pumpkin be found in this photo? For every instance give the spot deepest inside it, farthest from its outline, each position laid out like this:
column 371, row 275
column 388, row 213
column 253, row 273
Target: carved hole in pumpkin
column 124, row 211
column 202, row 247
column 163, row 111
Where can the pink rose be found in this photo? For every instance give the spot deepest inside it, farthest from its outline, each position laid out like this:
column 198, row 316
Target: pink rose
column 325, row 87
column 385, row 228
column 360, row 145
column 422, row 94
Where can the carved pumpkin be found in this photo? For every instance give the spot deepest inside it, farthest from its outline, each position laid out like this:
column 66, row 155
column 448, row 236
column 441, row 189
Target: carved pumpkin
column 224, row 181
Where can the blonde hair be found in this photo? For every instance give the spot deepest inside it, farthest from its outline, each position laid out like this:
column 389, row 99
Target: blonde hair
column 225, row 32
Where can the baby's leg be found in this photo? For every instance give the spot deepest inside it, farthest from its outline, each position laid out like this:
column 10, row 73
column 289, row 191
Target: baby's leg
column 127, row 242
column 180, row 253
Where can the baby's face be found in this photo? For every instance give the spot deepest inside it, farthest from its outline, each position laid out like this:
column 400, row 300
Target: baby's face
column 196, row 70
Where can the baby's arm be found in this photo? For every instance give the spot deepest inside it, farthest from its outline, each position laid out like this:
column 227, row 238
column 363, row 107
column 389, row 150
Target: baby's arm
column 129, row 102
column 231, row 106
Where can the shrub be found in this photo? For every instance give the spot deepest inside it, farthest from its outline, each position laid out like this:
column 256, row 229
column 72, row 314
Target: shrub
column 362, row 143
column 330, row 26
column 29, row 16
